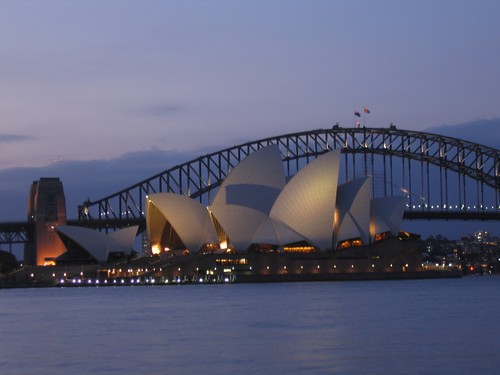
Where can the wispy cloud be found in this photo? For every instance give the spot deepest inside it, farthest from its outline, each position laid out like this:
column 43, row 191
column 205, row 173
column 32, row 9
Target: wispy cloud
column 8, row 138
column 92, row 179
column 482, row 131
column 161, row 110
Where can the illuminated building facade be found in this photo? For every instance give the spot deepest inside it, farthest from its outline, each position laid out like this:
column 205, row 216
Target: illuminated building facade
column 46, row 210
column 257, row 209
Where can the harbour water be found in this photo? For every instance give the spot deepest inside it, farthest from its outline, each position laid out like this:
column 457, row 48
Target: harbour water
column 443, row 326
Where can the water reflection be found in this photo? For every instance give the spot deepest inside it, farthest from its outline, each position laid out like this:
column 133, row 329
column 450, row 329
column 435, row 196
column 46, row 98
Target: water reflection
column 426, row 326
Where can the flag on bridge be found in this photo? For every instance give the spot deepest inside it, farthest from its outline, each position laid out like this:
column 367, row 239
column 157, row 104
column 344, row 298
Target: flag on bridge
column 366, row 110
column 356, row 113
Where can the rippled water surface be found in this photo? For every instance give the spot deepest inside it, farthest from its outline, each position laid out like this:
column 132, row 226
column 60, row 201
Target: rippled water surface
column 374, row 327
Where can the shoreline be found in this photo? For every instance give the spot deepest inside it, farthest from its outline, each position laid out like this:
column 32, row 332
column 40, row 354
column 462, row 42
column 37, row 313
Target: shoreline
column 234, row 279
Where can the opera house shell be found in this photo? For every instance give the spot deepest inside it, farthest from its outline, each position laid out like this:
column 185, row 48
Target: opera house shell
column 258, row 209
column 90, row 246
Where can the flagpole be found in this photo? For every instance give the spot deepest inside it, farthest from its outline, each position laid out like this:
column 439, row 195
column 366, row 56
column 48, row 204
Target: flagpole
column 356, row 114
column 365, row 111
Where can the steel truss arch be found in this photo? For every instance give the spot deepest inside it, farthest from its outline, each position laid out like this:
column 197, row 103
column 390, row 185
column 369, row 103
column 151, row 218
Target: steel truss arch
column 360, row 147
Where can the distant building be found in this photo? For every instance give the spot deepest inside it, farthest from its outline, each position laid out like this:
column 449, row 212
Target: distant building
column 481, row 236
column 46, row 210
column 145, row 244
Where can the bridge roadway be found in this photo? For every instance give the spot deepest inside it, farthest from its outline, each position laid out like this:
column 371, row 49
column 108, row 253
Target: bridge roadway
column 22, row 231
column 16, row 232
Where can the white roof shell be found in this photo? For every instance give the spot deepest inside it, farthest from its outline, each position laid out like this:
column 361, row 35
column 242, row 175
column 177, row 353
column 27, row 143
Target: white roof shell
column 266, row 233
column 189, row 218
column 255, row 182
column 125, row 237
column 245, row 226
column 273, row 232
column 253, row 205
column 353, row 211
column 307, row 203
column 99, row 244
column 240, row 223
column 386, row 215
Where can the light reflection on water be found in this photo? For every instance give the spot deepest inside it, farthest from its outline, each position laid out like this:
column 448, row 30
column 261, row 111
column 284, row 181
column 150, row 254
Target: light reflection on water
column 374, row 327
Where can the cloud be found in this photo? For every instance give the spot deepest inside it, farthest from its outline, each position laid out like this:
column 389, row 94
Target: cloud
column 482, row 131
column 8, row 138
column 161, row 110
column 82, row 180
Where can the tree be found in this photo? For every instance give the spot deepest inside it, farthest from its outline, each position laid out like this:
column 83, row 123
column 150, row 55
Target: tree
column 8, row 262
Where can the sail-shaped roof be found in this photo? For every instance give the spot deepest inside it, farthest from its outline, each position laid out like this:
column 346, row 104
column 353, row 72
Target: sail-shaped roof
column 353, row 211
column 99, row 244
column 124, row 238
column 307, row 202
column 255, row 205
column 187, row 217
column 274, row 232
column 386, row 215
column 239, row 222
column 255, row 182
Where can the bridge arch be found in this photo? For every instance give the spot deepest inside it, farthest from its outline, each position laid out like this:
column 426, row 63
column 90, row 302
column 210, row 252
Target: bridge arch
column 443, row 177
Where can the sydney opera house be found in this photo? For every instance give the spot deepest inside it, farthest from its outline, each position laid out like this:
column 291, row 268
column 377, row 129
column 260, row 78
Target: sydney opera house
column 262, row 224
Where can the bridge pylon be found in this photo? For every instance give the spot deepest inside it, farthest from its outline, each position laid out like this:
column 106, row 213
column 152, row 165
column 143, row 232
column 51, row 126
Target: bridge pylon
column 46, row 210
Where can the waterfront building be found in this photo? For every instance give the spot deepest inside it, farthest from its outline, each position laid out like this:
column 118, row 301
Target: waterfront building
column 265, row 226
column 256, row 209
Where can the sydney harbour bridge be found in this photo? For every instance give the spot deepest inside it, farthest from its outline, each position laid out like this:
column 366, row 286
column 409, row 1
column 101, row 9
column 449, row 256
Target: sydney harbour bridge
column 444, row 178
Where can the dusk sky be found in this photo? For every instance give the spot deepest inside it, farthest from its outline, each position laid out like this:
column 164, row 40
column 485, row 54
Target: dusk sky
column 106, row 93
